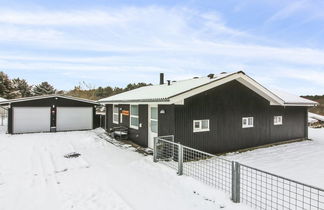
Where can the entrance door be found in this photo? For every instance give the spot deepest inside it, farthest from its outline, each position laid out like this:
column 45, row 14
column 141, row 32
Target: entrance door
column 153, row 124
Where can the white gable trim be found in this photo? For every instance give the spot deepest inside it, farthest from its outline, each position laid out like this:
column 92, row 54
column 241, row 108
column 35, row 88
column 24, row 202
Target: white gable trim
column 242, row 78
column 48, row 96
column 259, row 89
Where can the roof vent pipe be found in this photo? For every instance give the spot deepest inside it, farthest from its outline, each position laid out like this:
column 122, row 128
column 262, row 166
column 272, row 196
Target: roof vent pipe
column 161, row 78
column 211, row 76
column 169, row 82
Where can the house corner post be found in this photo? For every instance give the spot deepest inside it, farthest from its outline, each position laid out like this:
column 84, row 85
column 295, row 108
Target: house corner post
column 236, row 188
column 306, row 123
column 155, row 150
column 180, row 159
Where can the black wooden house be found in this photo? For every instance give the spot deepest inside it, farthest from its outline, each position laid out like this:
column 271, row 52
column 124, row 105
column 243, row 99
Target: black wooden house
column 216, row 114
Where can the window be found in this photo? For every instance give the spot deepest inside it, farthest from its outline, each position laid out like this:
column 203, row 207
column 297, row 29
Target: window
column 277, row 120
column 154, row 119
column 200, row 125
column 134, row 116
column 115, row 114
column 247, row 122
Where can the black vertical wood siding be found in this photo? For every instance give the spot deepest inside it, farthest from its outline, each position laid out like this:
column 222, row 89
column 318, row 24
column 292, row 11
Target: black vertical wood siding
column 53, row 116
column 140, row 135
column 10, row 117
column 225, row 106
column 142, row 139
column 109, row 116
column 166, row 121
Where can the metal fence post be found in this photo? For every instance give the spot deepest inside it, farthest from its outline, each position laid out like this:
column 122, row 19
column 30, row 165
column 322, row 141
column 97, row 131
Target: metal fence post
column 180, row 159
column 155, row 152
column 236, row 182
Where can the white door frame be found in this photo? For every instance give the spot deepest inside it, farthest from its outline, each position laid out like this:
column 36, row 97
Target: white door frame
column 151, row 134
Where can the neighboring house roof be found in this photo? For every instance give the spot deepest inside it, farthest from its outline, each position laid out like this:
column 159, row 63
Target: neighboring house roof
column 177, row 91
column 315, row 116
column 44, row 97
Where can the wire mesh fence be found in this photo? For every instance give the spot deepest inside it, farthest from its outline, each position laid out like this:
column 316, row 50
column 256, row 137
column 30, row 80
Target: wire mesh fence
column 257, row 188
column 264, row 190
column 166, row 151
column 207, row 168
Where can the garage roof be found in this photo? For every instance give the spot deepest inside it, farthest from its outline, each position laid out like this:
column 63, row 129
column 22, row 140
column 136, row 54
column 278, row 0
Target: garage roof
column 6, row 102
column 177, row 91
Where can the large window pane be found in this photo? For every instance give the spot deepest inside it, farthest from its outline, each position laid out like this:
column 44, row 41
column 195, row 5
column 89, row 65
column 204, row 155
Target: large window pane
column 134, row 110
column 134, row 121
column 115, row 118
column 205, row 124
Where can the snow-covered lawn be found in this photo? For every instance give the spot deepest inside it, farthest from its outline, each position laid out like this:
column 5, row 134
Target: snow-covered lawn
column 301, row 161
column 35, row 175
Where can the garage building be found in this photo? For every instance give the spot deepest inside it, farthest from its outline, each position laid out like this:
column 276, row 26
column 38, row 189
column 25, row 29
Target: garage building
column 49, row 113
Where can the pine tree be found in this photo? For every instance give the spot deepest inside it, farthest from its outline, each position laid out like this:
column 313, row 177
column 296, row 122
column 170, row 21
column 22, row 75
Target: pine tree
column 21, row 88
column 43, row 89
column 6, row 88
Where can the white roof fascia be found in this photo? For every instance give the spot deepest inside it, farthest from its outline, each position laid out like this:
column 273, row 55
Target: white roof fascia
column 49, row 96
column 299, row 104
column 143, row 102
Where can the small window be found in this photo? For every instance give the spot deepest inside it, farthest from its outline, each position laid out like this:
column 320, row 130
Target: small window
column 115, row 114
column 247, row 122
column 200, row 125
column 277, row 120
column 134, row 116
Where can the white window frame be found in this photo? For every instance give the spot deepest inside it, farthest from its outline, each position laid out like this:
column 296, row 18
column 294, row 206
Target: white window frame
column 277, row 120
column 117, row 114
column 200, row 129
column 133, row 116
column 121, row 117
column 248, row 120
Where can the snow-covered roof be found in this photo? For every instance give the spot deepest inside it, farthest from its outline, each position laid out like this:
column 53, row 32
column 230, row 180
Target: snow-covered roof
column 44, row 97
column 291, row 98
column 177, row 91
column 162, row 92
column 2, row 99
column 316, row 116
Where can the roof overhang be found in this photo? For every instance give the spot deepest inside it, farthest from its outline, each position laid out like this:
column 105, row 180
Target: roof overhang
column 8, row 102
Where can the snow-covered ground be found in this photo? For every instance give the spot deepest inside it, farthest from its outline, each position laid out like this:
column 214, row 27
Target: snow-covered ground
column 34, row 175
column 301, row 161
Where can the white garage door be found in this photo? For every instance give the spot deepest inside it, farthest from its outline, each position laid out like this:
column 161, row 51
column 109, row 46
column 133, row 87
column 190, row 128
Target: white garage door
column 31, row 119
column 74, row 118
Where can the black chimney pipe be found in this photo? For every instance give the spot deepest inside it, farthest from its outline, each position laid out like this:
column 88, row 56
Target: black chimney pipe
column 161, row 78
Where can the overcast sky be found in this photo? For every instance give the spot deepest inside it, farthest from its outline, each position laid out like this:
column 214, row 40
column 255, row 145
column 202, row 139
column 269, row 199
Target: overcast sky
column 280, row 43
